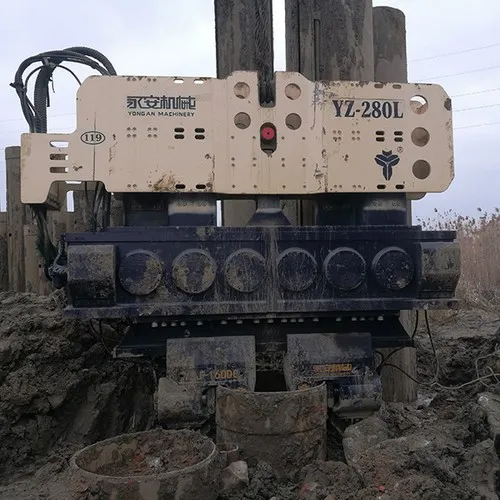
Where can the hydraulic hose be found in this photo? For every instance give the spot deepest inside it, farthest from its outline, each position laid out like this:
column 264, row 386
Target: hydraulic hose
column 35, row 114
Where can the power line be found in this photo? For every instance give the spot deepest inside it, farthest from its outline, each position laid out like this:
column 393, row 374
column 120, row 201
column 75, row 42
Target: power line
column 477, row 107
column 487, row 124
column 477, row 92
column 455, row 53
column 461, row 73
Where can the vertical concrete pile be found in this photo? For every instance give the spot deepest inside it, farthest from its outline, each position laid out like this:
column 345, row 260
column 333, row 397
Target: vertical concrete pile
column 244, row 42
column 329, row 40
column 389, row 30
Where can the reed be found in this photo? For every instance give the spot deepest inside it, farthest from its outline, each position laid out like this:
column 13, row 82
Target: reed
column 479, row 238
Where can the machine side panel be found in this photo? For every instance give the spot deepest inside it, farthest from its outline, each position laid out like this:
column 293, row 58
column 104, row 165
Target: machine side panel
column 164, row 134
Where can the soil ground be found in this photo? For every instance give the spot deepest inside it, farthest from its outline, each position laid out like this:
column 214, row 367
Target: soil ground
column 61, row 390
column 156, row 453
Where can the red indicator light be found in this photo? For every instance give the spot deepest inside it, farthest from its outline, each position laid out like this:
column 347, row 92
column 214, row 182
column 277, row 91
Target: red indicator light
column 268, row 133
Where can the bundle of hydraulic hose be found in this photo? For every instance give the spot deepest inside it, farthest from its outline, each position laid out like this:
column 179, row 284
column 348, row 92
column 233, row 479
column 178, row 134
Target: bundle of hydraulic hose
column 35, row 113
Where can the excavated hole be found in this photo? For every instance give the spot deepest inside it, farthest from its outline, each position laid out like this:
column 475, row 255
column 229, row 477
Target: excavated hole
column 270, row 381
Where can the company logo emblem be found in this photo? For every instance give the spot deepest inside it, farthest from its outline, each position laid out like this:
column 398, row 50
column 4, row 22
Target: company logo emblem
column 161, row 105
column 387, row 160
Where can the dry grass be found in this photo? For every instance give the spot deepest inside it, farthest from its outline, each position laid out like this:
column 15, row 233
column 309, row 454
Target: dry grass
column 479, row 239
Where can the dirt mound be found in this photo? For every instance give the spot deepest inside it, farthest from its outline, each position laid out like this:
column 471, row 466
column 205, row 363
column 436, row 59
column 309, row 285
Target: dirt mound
column 60, row 390
column 59, row 387
column 431, row 458
column 438, row 447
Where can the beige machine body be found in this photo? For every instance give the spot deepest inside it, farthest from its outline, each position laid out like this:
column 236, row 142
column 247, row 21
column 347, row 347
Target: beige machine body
column 166, row 134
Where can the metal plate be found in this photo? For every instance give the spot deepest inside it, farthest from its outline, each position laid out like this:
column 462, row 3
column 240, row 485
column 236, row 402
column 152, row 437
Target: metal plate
column 165, row 134
column 279, row 270
column 204, row 362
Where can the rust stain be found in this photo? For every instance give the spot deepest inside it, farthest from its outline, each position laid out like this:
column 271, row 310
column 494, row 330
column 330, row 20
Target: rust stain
column 77, row 167
column 112, row 151
column 317, row 172
column 211, row 177
column 318, row 99
column 324, row 155
column 318, row 94
column 212, row 174
column 165, row 184
column 319, row 176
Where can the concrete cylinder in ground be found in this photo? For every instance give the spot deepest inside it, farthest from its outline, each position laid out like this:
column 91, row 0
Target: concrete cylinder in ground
column 389, row 37
column 151, row 465
column 285, row 429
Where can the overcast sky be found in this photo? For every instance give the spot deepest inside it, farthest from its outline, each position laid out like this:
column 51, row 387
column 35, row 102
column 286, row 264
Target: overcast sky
column 176, row 37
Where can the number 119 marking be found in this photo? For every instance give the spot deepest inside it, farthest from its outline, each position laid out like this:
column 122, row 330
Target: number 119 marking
column 92, row 138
